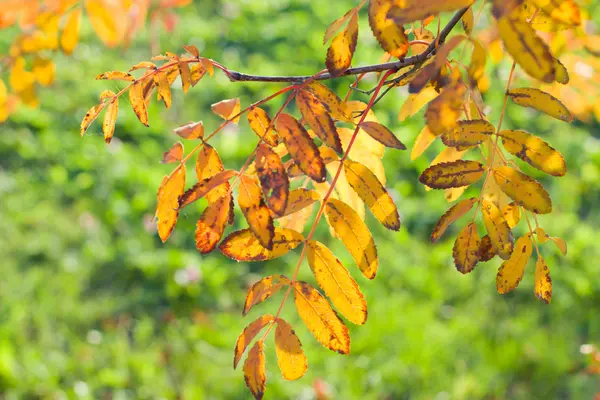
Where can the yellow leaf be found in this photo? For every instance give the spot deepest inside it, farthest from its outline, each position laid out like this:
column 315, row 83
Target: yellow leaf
column 256, row 212
column 174, row 154
column 43, row 69
column 478, row 60
column 541, row 101
column 198, row 73
column 443, row 112
column 290, row 356
column 453, row 213
column 320, row 318
column 423, row 35
column 526, row 48
column 143, row 65
column 564, row 11
column 136, row 98
column 301, row 147
column 254, row 370
column 511, row 271
column 264, row 289
column 193, row 50
column 208, row 66
column 227, row 109
column 543, row 238
column 90, row 117
column 382, row 134
column 20, row 79
column 298, row 220
column 208, row 164
column 339, row 54
column 243, row 245
column 336, row 282
column 102, row 18
column 486, row 249
column 422, row 142
column 500, row 8
column 415, row 102
column 355, row 235
column 110, row 118
column 259, row 122
column 299, row 199
column 317, row 117
column 193, row 130
column 534, row 151
column 468, row 21
column 405, row 11
column 390, row 35
column 273, row 179
column 334, row 105
column 247, row 335
column 336, row 25
column 491, row 190
column 200, row 189
column 512, row 214
column 186, row 77
column 562, row 75
column 168, row 195
column 466, row 249
column 524, row 190
column 70, row 33
column 452, row 174
column 468, row 134
column 497, row 229
column 542, row 281
column 211, row 224
column 372, row 192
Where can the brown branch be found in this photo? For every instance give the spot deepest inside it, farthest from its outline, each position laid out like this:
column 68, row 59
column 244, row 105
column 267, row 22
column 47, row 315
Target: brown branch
column 236, row 76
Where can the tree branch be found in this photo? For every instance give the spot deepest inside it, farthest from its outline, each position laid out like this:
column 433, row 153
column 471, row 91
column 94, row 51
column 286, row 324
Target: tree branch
column 236, row 76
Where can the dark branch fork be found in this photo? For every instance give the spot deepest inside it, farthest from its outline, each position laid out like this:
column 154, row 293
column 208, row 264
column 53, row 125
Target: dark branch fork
column 236, row 76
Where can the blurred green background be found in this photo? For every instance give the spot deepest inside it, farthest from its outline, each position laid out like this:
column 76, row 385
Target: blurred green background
column 93, row 305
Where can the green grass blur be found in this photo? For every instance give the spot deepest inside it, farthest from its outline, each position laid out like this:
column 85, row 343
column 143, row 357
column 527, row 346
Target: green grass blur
column 94, row 306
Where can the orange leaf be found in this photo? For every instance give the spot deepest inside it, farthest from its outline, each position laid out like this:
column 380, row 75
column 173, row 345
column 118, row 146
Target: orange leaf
column 227, row 109
column 167, row 207
column 102, row 18
column 211, row 224
column 339, row 54
column 115, row 76
column 203, row 187
column 453, row 213
column 301, row 147
column 382, row 134
column 256, row 212
column 186, row 76
column 110, row 117
column 254, row 370
column 390, row 35
column 259, row 122
column 164, row 88
column 320, row 318
column 247, row 335
column 174, row 154
column 193, row 130
column 264, row 289
column 209, row 164
column 334, row 105
column 290, row 356
column 138, row 103
column 244, row 246
column 317, row 117
column 273, row 178
column 70, row 33
column 466, row 249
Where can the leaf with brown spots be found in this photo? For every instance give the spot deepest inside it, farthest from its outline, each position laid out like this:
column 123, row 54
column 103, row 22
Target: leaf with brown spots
column 110, row 117
column 543, row 238
column 336, row 25
column 193, row 130
column 256, row 212
column 320, row 318
column 497, row 229
column 273, row 179
column 264, row 289
column 405, row 11
column 186, row 76
column 208, row 164
column 259, row 122
column 564, row 11
column 486, row 249
column 138, row 103
column 341, row 50
column 174, row 154
column 90, row 117
column 512, row 214
column 511, row 271
column 527, row 48
column 254, row 370
column 525, row 191
column 542, row 281
column 317, row 117
column 163, row 87
column 468, row 134
column 534, row 151
column 244, row 246
column 452, row 174
column 371, row 191
column 290, row 356
column 541, row 101
column 336, row 282
column 116, row 76
column 382, row 134
column 211, row 224
column 453, row 213
column 354, row 234
column 334, row 105
column 200, row 189
column 390, row 35
column 299, row 199
column 227, row 109
column 198, row 72
column 443, row 112
column 247, row 335
column 466, row 249
column 301, row 147
column 167, row 208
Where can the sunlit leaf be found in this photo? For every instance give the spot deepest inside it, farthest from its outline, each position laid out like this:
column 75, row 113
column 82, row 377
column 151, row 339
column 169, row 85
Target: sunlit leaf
column 259, row 122
column 486, row 249
column 115, row 76
column 452, row 174
column 511, row 271
column 208, row 164
column 534, row 151
column 244, row 246
column 211, row 224
column 512, row 214
column 382, row 134
column 525, row 191
column 542, row 281
column 541, row 101
column 466, row 249
column 422, row 142
column 227, row 109
column 390, row 35
column 200, row 189
column 264, row 289
column 341, row 50
column 497, row 229
column 299, row 199
column 406, row 11
column 248, row 335
column 167, row 209
column 70, row 33
column 193, row 130
column 254, row 370
column 273, row 178
column 136, row 98
column 468, row 134
column 290, row 356
column 317, row 117
column 110, row 117
column 255, row 210
column 335, row 106
column 453, row 213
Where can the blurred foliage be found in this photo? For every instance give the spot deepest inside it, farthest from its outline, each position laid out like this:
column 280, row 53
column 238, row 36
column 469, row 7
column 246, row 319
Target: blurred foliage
column 92, row 305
